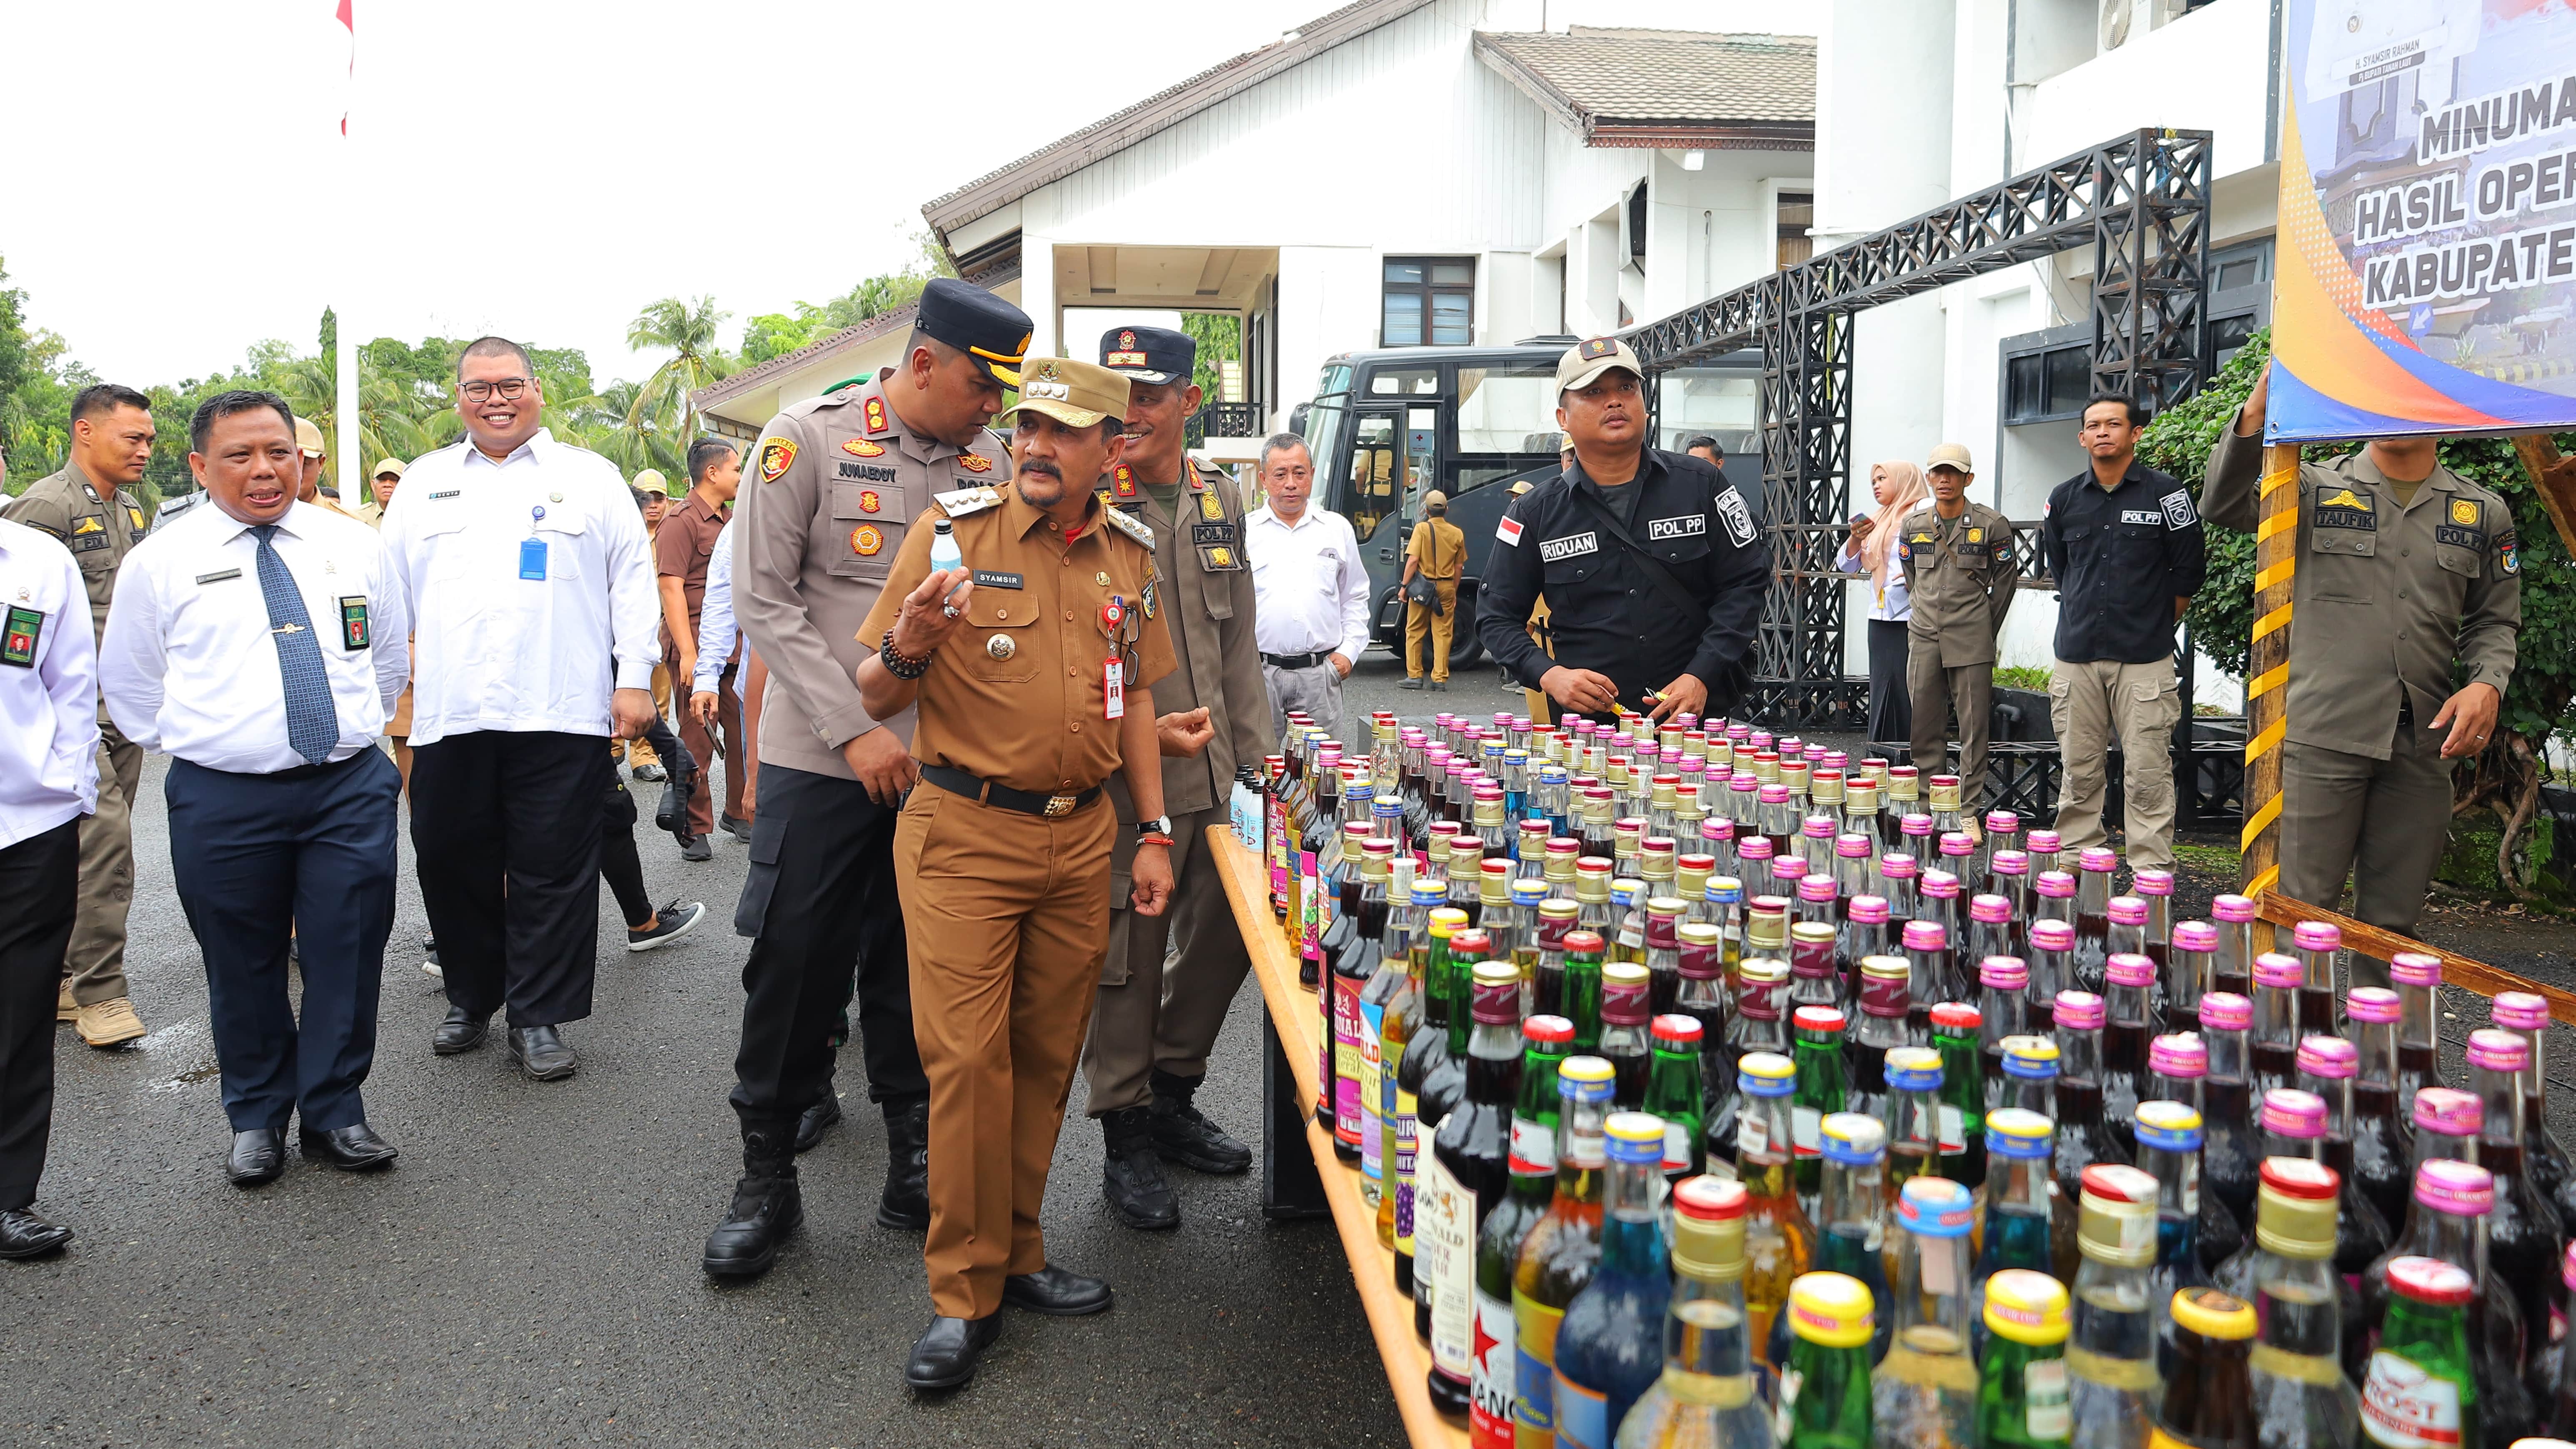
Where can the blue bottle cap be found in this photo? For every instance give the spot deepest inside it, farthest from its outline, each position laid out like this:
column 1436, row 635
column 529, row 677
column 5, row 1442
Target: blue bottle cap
column 1936, row 1207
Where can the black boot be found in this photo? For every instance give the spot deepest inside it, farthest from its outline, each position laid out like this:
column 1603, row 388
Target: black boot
column 817, row 1119
column 1132, row 1179
column 1181, row 1135
column 767, row 1206
column 906, row 1200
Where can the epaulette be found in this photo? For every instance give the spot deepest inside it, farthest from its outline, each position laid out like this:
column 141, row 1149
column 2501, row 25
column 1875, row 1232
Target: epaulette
column 964, row 501
column 1134, row 528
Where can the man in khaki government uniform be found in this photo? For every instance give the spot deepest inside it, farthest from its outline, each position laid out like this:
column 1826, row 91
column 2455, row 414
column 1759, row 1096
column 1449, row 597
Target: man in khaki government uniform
column 1157, row 1016
column 112, row 436
column 2408, row 579
column 1960, row 574
column 1030, row 665
column 1438, row 550
column 831, row 490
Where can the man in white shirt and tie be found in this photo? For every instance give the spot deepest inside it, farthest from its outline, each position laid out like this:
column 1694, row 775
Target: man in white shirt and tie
column 260, row 642
column 534, row 617
column 1310, row 590
column 48, row 785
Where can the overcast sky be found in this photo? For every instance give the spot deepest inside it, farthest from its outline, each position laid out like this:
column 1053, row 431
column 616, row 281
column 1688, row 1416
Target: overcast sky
column 543, row 168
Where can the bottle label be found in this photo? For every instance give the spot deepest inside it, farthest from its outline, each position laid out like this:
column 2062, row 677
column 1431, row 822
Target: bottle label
column 1274, row 848
column 2047, row 1414
column 1677, row 1146
column 1489, row 1405
column 1444, row 1246
column 2404, row 1407
column 1346, row 1060
column 1954, row 1131
column 1405, row 1133
column 1310, row 895
column 1582, row 1415
column 1806, row 1131
column 1534, row 1371
column 1533, row 1147
column 1752, row 1135
column 1372, row 1093
column 1784, row 1409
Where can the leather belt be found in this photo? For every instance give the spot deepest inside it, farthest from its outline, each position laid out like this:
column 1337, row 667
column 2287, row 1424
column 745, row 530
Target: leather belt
column 1052, row 807
column 1297, row 661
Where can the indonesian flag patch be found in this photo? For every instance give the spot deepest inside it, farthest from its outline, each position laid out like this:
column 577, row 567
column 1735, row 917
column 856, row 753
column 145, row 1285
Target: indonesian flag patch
column 1509, row 531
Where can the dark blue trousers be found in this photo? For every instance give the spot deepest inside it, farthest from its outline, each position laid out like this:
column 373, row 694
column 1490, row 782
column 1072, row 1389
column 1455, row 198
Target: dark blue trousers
column 256, row 856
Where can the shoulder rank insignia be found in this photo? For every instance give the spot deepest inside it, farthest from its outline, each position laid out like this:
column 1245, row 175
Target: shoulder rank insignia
column 1211, row 508
column 776, row 456
column 2464, row 511
column 1122, row 484
column 974, row 462
column 1103, row 495
column 964, row 501
column 2342, row 498
column 1132, row 527
column 875, row 415
column 862, row 448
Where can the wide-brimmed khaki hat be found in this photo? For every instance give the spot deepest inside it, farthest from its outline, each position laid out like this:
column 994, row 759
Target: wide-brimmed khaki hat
column 1075, row 393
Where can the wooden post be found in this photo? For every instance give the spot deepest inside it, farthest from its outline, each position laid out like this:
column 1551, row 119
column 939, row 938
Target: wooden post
column 2554, row 479
column 2276, row 540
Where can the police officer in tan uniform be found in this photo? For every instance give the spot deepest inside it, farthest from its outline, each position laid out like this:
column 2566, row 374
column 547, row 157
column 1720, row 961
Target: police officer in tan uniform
column 1960, row 575
column 1157, row 1017
column 87, row 506
column 2408, row 577
column 826, row 501
column 1031, row 666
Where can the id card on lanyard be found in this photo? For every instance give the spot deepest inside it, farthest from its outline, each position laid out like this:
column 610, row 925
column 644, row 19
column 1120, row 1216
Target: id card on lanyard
column 1113, row 671
column 532, row 549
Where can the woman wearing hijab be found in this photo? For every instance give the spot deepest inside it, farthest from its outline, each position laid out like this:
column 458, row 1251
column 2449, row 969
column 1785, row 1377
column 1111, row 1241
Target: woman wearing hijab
column 1871, row 550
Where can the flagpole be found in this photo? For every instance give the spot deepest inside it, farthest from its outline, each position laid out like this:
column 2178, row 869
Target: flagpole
column 352, row 469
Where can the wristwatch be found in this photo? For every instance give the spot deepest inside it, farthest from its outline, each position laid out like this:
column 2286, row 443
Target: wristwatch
column 1158, row 828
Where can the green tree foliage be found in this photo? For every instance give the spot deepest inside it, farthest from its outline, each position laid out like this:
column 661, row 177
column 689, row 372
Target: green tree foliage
column 1220, row 339
column 775, row 334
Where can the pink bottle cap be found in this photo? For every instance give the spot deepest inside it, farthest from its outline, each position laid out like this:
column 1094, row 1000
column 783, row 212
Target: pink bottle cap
column 2128, row 968
column 2195, row 936
column 1869, row 910
column 2289, row 1112
column 2097, row 858
column 2567, row 1266
column 1717, row 827
column 2372, row 1004
column 1746, row 781
column 1486, row 792
column 2461, row 1189
column 2046, row 842
column 1940, row 885
column 2233, row 909
column 1775, row 794
column 1896, row 867
column 2052, row 935
column 1916, row 825
column 2415, row 968
column 2056, row 884
column 1787, row 871
column 1925, row 936
column 2227, row 1011
column 1753, row 847
column 1816, row 888
column 2448, row 1112
column 2498, row 1051
column 1818, row 827
column 2128, row 911
column 2152, row 882
column 1958, row 842
column 1852, row 847
column 2317, row 936
column 1993, row 910
column 2081, row 1010
column 2003, row 973
column 2330, row 1057
column 2520, row 1010
column 2182, row 1054
column 2011, row 862
column 2002, row 822
column 2274, row 969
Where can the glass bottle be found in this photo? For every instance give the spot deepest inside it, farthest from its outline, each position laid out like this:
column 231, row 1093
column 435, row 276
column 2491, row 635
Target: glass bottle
column 2231, row 967
column 2030, row 1073
column 1579, row 998
column 1395, row 994
column 1955, row 1026
column 1626, row 1039
column 1897, row 873
column 1447, row 1078
column 1610, row 1348
column 2169, row 1152
column 1705, row 1398
column 2452, row 1197
column 2379, row 1145
column 1851, row 1228
column 1502, row 923
column 1467, row 1175
column 2230, row 1156
column 1673, row 1094
column 1864, row 935
column 2319, row 943
column 2002, row 982
column 1946, row 814
column 2209, row 1396
column 2418, row 979
column 2017, row 1213
column 1527, row 895
column 2327, row 1066
column 2094, row 865
column 1596, row 912
column 1919, row 842
column 1851, row 870
column 2554, row 1374
column 1779, row 1237
column 1861, row 817
column 2129, row 1019
column 2523, row 1235
column 2009, row 877
column 2047, row 851
column 1759, row 1024
column 1532, row 1164
column 1825, row 1385
column 2276, row 1022
column 2186, row 970
column 2420, row 1388
column 1912, row 1117
column 1941, row 906
column 1777, row 820
column 1900, row 797
column 1814, row 979
column 1923, row 1394
column 1663, row 950
column 2178, row 1063
column 1703, row 999
column 2128, row 935
column 1628, row 904
column 2111, row 1352
column 1816, row 1044
column 2022, row 1389
column 1927, row 959
column 1362, row 958
column 1559, row 1254
column 1723, row 907
column 1990, row 929
column 1547, row 987
column 2083, row 1138
column 1466, row 876
column 2301, row 1394
column 2052, row 970
column 1882, row 1028
column 2527, row 1015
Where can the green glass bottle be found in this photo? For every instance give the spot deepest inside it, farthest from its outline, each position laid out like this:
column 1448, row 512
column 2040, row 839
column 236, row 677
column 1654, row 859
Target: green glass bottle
column 2419, row 1389
column 1673, row 1095
column 1547, row 1041
column 1816, row 1045
column 1706, row 1398
column 1582, row 1000
column 1824, row 1392
column 2022, row 1390
column 1955, row 1035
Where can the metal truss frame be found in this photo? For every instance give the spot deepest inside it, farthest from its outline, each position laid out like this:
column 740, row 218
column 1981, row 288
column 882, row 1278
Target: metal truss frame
column 2141, row 198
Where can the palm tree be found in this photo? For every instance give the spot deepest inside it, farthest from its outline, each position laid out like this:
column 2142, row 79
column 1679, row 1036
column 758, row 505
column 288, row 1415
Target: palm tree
column 688, row 330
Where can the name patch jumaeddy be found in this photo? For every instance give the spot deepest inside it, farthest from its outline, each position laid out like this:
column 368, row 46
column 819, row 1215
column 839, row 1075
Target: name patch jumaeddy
column 1556, row 550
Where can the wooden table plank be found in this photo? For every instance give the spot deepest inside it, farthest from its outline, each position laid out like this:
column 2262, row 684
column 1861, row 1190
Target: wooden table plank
column 1296, row 1015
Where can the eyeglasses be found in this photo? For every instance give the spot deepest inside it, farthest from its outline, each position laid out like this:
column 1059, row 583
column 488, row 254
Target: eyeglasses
column 509, row 388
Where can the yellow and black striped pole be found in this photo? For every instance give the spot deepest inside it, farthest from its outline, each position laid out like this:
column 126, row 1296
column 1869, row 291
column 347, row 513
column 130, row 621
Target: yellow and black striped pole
column 2276, row 540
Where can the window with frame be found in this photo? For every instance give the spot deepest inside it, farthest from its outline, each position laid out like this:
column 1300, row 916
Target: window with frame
column 1429, row 301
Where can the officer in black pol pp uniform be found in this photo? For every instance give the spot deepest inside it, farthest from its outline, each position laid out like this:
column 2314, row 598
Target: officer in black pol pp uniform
column 1652, row 567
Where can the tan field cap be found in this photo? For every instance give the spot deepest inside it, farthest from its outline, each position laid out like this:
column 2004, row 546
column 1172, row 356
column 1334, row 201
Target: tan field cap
column 1075, row 393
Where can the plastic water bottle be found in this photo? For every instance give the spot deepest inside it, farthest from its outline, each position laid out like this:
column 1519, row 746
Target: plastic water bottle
column 943, row 547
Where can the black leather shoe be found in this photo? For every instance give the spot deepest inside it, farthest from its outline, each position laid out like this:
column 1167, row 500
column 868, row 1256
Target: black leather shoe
column 25, row 1235
column 810, row 1127
column 541, row 1053
column 258, row 1156
column 905, row 1203
column 1181, row 1135
column 354, row 1148
column 463, row 1031
column 735, row 826
column 767, row 1206
column 1057, row 1293
column 1133, row 1179
column 946, row 1354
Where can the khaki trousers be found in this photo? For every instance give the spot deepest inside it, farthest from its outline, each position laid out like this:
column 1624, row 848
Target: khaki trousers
column 1441, row 626
column 1006, row 919
column 702, row 742
column 1933, row 688
column 94, row 962
column 2382, row 822
column 2090, row 704
column 1169, row 979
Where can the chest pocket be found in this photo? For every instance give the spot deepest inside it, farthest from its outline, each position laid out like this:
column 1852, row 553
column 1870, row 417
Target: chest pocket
column 563, row 537
column 443, row 546
column 2344, row 564
column 1001, row 637
column 869, row 517
column 1571, row 559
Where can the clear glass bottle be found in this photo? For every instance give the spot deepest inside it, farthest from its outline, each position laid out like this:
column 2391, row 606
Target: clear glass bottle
column 2111, row 1353
column 2527, row 1016
column 1706, row 1397
column 2275, row 1043
column 1927, row 960
column 2231, row 967
column 1897, row 873
column 1628, row 904
column 2003, row 833
column 1446, row 1080
column 2128, row 1021
column 2052, row 970
column 1466, row 1175
column 1946, row 811
column 2017, row 1225
column 2300, row 1392
column 2083, row 1138
column 2002, row 982
column 2094, row 865
column 1663, row 950
column 2418, row 979
column 2318, row 943
column 2186, row 972
column 2379, row 1145
column 2128, row 934
column 1923, row 1394
column 2046, row 852
column 1881, row 1028
column 1779, row 1237
column 1851, row 1236
column 1626, row 1037
column 1912, row 1117
column 2523, row 1235
column 1557, row 1257
column 1610, row 1348
column 2327, row 1067
column 2022, row 1390
column 1595, row 910
column 2230, row 1153
column 2010, row 878
column 2169, row 1152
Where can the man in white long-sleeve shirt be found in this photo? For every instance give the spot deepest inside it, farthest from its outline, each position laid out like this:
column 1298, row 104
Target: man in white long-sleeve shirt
column 535, row 614
column 1311, row 592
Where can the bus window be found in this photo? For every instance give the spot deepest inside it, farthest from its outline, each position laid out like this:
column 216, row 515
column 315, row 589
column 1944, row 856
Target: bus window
column 1372, row 488
column 1725, row 404
column 1506, row 411
column 1405, row 382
